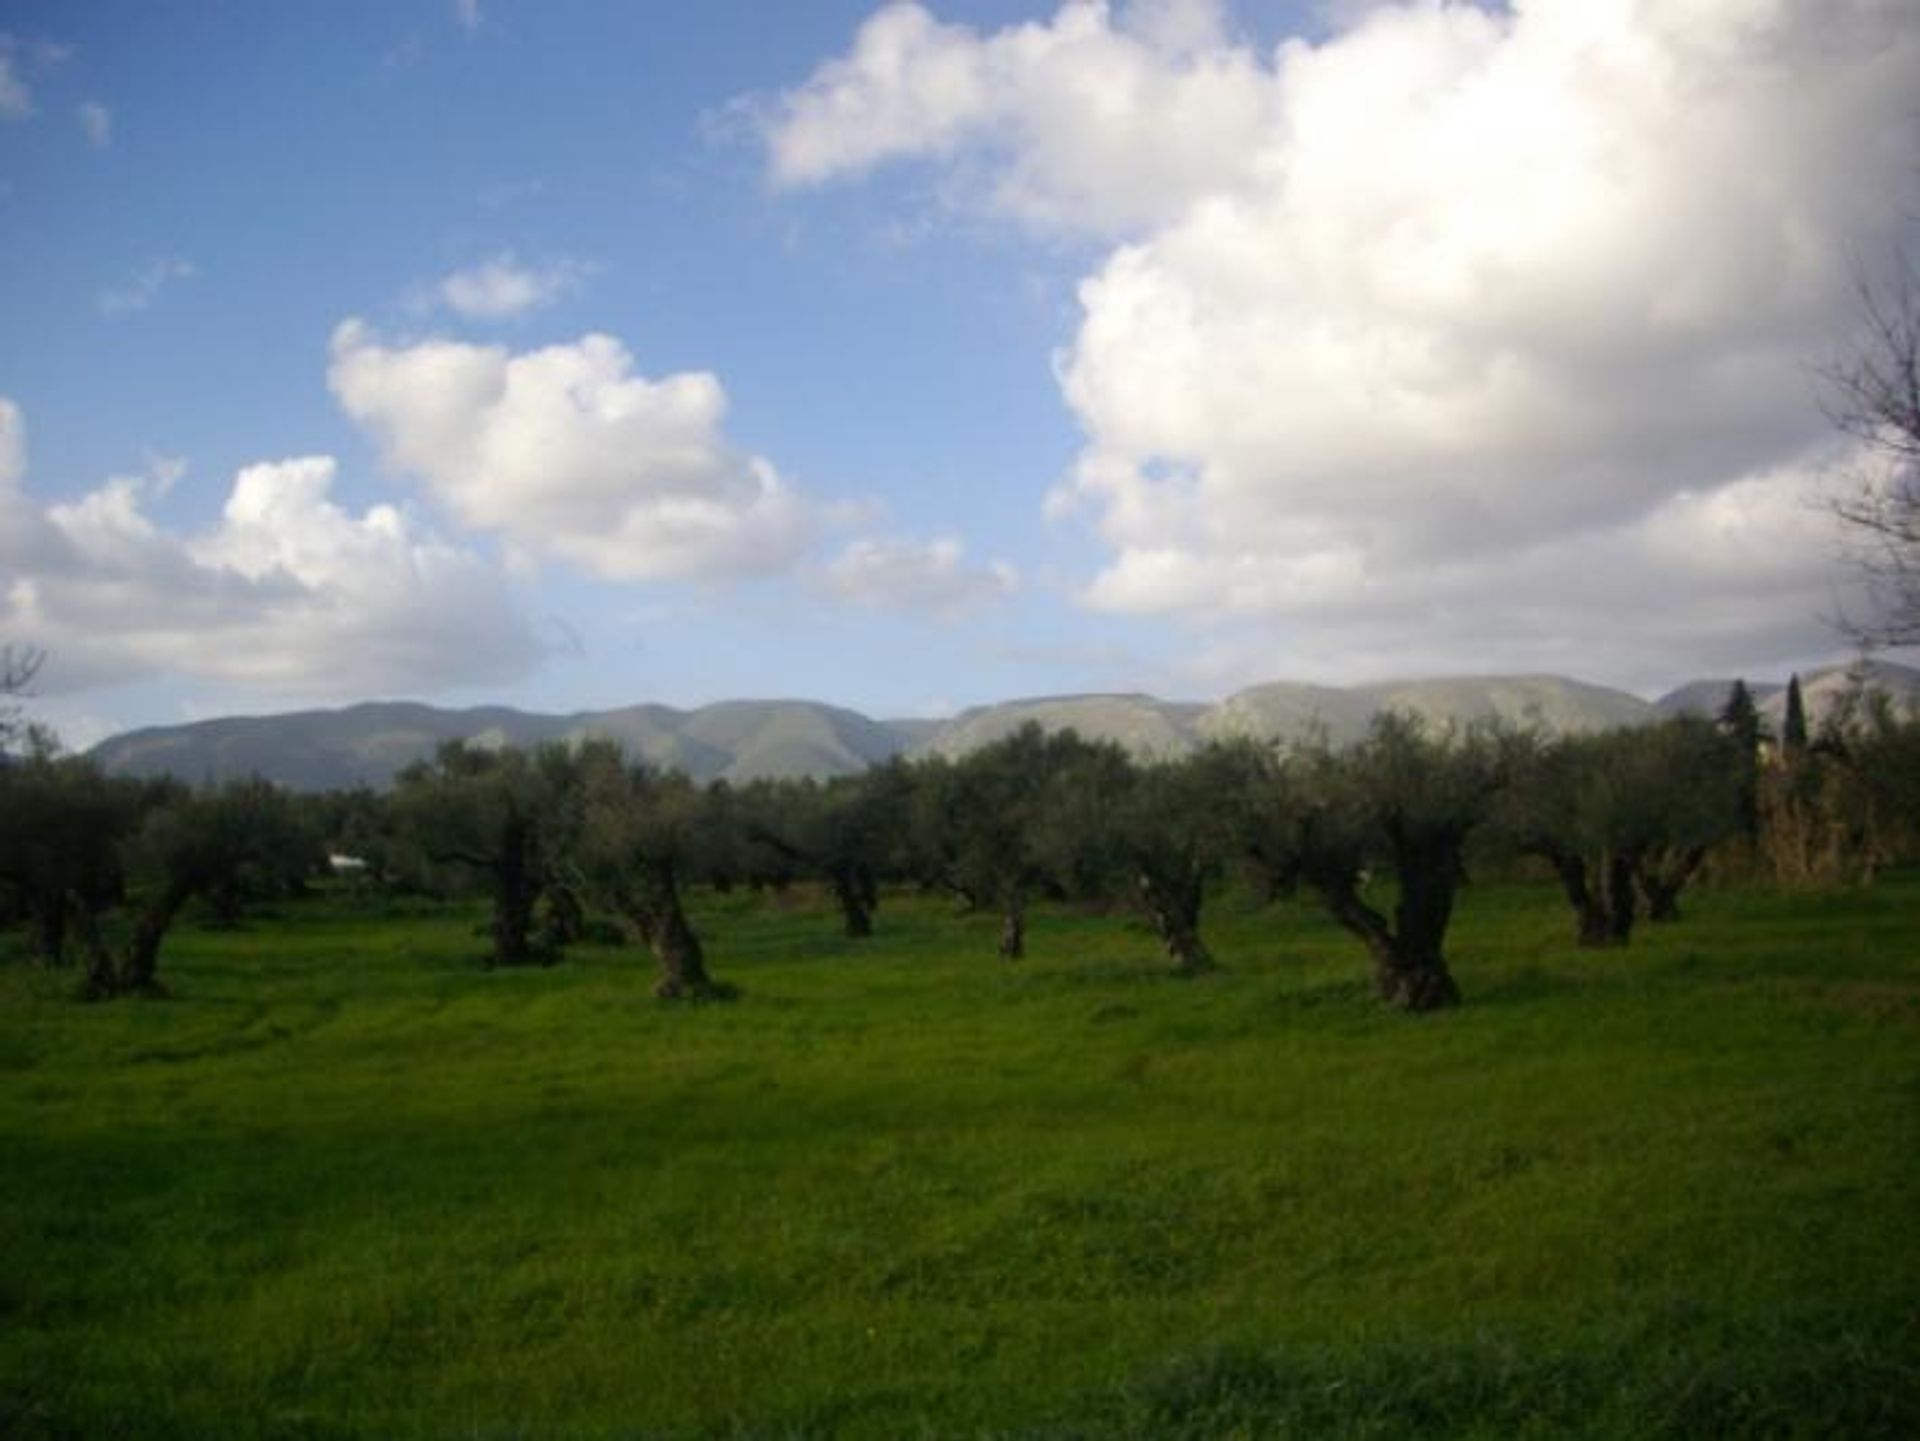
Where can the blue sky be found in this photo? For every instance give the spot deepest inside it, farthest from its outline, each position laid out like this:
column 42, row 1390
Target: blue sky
column 948, row 354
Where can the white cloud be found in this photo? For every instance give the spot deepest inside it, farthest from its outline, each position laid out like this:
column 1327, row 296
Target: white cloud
column 1465, row 322
column 13, row 447
column 566, row 451
column 16, row 101
column 96, row 123
column 18, row 58
column 1081, row 123
column 467, row 12
column 145, row 288
column 501, row 287
column 288, row 594
column 930, row 577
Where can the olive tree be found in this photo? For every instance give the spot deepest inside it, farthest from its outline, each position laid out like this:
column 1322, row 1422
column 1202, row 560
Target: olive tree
column 1158, row 835
column 640, row 834
column 495, row 814
column 989, row 826
column 62, row 828
column 849, row 831
column 188, row 844
column 1402, row 800
column 1626, row 817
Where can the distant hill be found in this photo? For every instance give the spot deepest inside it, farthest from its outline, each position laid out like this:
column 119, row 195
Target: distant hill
column 1709, row 697
column 1291, row 711
column 1145, row 726
column 750, row 739
column 367, row 744
column 1822, row 690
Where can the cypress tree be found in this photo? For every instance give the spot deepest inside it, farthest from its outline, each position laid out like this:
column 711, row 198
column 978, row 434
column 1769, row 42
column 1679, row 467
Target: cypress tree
column 1793, row 731
column 1740, row 719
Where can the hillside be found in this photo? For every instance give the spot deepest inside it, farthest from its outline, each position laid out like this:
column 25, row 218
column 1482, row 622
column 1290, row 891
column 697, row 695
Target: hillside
column 1824, row 691
column 745, row 740
column 1143, row 725
column 367, row 744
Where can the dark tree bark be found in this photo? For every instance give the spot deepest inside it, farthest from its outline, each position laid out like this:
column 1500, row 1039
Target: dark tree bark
column 103, row 977
column 655, row 912
column 683, row 963
column 1013, row 927
column 1172, row 903
column 515, row 892
column 562, row 918
column 139, row 970
column 1409, row 966
column 1591, row 926
column 1604, row 905
column 856, row 893
column 1429, row 871
column 1622, row 896
column 223, row 899
column 1662, row 880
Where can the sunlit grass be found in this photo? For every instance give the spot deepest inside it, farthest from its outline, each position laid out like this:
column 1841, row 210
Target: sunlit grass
column 347, row 1183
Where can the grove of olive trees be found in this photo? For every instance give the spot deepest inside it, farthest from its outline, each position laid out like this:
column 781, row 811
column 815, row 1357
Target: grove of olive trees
column 1381, row 833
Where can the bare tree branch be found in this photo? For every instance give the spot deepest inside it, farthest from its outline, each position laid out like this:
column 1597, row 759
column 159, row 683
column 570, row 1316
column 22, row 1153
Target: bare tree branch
column 1873, row 395
column 18, row 666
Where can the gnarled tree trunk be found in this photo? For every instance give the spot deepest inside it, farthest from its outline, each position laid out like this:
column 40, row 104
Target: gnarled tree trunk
column 515, row 891
column 1409, row 968
column 857, row 895
column 1603, row 912
column 1416, row 977
column 139, row 970
column 1662, row 879
column 1013, row 927
column 103, row 978
column 655, row 912
column 1172, row 903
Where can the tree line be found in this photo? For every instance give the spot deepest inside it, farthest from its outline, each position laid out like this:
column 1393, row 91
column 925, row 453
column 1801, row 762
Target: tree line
column 1382, row 833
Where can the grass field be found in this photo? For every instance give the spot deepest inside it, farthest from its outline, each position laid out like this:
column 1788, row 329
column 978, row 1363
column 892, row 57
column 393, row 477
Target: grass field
column 345, row 1183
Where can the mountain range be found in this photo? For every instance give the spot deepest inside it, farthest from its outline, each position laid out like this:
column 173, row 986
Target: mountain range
column 364, row 745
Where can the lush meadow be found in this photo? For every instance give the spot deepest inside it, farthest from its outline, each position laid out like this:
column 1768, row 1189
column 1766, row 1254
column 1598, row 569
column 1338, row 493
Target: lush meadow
column 344, row 1182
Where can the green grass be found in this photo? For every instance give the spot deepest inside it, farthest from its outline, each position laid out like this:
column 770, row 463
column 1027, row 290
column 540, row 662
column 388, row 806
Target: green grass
column 345, row 1183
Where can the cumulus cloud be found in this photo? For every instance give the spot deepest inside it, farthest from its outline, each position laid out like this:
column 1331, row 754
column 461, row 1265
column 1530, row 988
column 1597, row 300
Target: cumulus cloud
column 501, row 287
column 145, row 287
column 288, row 593
column 96, row 123
column 1460, row 312
column 1083, row 122
column 570, row 454
column 927, row 577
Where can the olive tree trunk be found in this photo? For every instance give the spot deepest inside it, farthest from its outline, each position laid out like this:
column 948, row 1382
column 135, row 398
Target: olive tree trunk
column 1663, row 878
column 140, row 967
column 656, row 913
column 1603, row 912
column 1172, row 903
column 515, row 892
column 1013, row 926
column 854, row 890
column 1409, row 967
